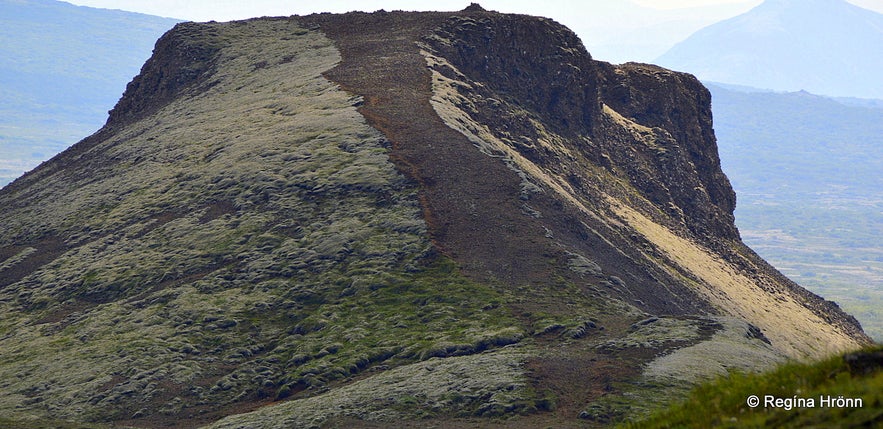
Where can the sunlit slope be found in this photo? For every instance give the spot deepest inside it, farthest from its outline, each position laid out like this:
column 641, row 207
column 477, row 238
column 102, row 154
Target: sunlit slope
column 218, row 251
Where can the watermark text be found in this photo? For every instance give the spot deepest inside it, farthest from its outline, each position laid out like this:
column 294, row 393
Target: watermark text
column 789, row 403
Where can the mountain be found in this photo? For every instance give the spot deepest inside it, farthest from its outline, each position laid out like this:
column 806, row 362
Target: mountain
column 402, row 218
column 623, row 31
column 827, row 47
column 806, row 169
column 61, row 68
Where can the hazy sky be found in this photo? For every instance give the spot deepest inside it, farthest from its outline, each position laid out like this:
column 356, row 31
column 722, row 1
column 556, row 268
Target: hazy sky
column 225, row 10
column 612, row 30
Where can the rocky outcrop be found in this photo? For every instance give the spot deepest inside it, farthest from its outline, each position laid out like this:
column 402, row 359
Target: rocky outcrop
column 683, row 154
column 181, row 60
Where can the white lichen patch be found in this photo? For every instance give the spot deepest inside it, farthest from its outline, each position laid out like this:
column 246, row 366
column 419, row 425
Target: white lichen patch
column 651, row 137
column 447, row 103
column 732, row 347
column 483, row 383
column 638, row 129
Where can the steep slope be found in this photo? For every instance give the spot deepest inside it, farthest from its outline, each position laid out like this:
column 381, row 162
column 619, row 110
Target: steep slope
column 384, row 217
column 806, row 171
column 825, row 47
column 61, row 67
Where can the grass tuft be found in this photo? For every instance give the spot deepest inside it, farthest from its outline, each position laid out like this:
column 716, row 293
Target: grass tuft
column 724, row 402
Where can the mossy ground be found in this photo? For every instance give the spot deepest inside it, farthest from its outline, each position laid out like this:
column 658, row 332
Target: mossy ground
column 230, row 257
column 47, row 424
column 723, row 403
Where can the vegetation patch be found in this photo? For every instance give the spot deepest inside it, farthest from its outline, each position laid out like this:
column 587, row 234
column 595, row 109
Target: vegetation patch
column 231, row 257
column 732, row 345
column 47, row 424
column 794, row 395
column 487, row 384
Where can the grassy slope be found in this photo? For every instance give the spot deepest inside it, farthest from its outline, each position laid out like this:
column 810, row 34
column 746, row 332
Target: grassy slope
column 722, row 403
column 186, row 286
column 249, row 244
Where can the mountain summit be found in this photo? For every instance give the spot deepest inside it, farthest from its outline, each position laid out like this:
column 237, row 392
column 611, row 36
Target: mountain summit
column 363, row 219
column 825, row 47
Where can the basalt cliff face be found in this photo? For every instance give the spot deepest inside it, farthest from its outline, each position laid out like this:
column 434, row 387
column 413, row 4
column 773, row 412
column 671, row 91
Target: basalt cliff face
column 366, row 219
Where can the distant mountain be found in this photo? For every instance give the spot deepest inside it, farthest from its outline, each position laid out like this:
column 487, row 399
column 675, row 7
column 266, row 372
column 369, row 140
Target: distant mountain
column 621, row 31
column 62, row 67
column 825, row 47
column 806, row 170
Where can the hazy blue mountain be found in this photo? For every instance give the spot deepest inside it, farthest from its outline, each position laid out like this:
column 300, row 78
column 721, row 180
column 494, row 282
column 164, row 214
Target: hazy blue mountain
column 621, row 31
column 822, row 46
column 62, row 67
column 806, row 170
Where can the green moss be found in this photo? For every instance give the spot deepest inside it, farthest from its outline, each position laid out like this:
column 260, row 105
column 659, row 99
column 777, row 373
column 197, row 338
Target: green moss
column 431, row 312
column 264, row 249
column 723, row 403
column 47, row 424
column 483, row 384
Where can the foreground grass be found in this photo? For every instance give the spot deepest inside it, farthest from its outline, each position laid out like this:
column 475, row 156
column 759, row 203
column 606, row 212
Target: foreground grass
column 723, row 403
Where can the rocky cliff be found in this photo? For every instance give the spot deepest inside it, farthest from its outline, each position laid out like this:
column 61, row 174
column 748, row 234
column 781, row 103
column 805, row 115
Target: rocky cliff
column 390, row 217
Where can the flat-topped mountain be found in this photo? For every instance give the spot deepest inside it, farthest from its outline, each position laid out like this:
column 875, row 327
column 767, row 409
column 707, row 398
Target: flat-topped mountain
column 395, row 217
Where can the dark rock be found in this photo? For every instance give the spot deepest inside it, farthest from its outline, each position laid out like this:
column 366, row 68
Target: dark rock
column 864, row 362
column 474, row 7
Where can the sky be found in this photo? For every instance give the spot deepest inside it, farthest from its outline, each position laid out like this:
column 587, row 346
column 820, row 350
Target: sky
column 225, row 10
column 612, row 30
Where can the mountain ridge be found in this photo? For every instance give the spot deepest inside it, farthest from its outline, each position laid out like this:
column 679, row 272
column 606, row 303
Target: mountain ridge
column 311, row 210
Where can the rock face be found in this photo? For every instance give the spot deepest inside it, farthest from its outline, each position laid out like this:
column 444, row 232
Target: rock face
column 370, row 218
